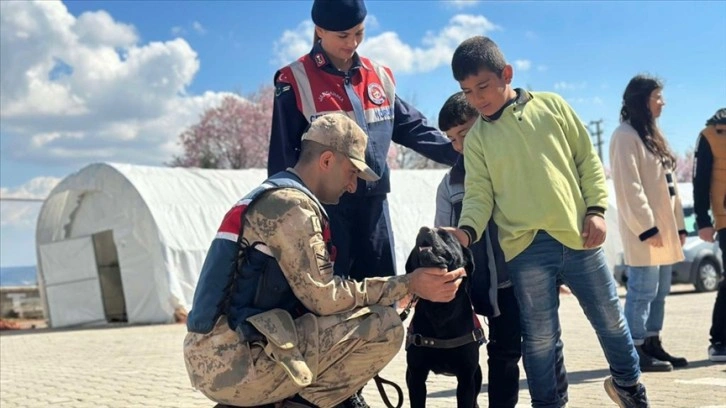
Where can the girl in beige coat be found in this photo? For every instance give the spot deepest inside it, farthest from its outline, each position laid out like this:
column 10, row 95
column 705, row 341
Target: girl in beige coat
column 650, row 217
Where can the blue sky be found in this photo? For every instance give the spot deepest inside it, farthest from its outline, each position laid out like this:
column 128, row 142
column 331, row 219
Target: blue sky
column 88, row 81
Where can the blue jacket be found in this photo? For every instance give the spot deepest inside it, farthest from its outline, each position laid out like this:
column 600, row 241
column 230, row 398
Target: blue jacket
column 355, row 90
column 490, row 268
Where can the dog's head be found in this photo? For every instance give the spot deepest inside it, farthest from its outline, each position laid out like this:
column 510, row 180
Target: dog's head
column 437, row 247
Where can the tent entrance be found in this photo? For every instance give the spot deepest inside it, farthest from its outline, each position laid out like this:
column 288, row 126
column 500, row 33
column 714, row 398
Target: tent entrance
column 109, row 276
column 70, row 278
column 82, row 281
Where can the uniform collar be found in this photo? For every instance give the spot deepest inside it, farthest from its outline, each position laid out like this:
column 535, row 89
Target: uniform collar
column 321, row 60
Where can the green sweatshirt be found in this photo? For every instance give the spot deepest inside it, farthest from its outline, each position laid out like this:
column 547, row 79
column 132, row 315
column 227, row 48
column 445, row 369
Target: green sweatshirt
column 534, row 168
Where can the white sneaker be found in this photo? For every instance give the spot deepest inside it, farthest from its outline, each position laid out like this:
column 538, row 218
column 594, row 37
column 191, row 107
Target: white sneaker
column 717, row 353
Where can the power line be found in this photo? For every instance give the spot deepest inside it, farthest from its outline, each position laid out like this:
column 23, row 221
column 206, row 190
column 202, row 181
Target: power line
column 597, row 133
column 18, row 199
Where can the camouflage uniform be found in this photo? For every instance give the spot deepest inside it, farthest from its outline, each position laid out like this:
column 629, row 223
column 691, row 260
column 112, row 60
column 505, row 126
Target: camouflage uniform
column 326, row 355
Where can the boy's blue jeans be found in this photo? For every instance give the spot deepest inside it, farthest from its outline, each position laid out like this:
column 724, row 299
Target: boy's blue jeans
column 645, row 300
column 534, row 274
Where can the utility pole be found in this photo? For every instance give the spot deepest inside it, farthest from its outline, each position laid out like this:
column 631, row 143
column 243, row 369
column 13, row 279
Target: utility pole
column 597, row 133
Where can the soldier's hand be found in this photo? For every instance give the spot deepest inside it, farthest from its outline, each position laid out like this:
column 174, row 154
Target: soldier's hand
column 436, row 284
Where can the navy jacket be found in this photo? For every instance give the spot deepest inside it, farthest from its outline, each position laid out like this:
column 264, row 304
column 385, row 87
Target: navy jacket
column 409, row 127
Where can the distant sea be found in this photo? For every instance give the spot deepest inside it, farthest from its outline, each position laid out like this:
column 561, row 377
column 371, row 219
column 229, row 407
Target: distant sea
column 18, row 276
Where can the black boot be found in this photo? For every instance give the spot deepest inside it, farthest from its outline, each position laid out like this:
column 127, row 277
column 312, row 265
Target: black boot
column 649, row 363
column 654, row 347
column 355, row 401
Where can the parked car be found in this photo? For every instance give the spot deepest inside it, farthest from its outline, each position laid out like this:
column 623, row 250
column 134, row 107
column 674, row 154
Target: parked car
column 702, row 266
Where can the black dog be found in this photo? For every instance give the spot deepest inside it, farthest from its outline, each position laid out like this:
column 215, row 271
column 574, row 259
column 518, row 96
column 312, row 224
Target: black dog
column 443, row 337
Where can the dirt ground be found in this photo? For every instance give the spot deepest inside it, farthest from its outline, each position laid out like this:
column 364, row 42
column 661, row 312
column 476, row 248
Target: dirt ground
column 22, row 324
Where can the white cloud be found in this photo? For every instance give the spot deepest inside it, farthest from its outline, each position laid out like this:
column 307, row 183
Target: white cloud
column 569, row 86
column 389, row 49
column 293, row 43
column 84, row 89
column 594, row 100
column 542, row 68
column 372, row 22
column 199, row 28
column 523, row 65
column 37, row 188
column 460, row 4
column 22, row 214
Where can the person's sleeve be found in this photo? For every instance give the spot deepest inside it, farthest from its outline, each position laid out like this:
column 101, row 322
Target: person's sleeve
column 444, row 207
column 410, row 129
column 288, row 125
column 632, row 202
column 589, row 167
column 678, row 211
column 287, row 222
column 702, row 169
column 478, row 202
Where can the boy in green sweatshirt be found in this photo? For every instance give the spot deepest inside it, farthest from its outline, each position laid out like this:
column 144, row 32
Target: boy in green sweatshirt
column 531, row 166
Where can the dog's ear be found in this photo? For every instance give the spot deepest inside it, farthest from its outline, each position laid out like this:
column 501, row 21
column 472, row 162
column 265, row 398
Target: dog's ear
column 412, row 262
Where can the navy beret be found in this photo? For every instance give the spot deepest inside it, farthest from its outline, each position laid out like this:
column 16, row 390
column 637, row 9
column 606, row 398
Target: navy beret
column 718, row 119
column 338, row 15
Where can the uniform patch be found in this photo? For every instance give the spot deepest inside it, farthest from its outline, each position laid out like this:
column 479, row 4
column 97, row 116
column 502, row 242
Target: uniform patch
column 319, row 59
column 322, row 257
column 315, row 221
column 280, row 89
column 376, row 94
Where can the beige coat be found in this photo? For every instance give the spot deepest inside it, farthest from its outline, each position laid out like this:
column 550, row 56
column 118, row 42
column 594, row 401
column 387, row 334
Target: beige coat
column 644, row 201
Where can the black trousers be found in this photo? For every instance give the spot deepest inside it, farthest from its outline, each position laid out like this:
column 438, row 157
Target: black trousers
column 504, row 350
column 362, row 235
column 718, row 322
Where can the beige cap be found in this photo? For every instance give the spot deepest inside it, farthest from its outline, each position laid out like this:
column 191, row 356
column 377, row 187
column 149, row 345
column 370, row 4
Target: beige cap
column 343, row 135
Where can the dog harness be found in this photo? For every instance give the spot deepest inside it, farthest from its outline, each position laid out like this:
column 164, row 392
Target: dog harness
column 476, row 335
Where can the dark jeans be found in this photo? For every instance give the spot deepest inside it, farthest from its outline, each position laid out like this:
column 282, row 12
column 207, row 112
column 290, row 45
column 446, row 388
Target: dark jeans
column 505, row 350
column 718, row 325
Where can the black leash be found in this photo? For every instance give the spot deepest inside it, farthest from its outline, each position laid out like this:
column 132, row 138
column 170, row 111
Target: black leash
column 380, row 381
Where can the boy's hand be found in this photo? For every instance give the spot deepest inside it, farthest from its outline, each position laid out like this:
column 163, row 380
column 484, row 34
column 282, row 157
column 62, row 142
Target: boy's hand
column 436, row 284
column 593, row 231
column 460, row 235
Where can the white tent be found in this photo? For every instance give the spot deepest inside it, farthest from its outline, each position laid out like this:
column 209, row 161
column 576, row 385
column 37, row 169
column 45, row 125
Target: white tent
column 119, row 242
column 124, row 242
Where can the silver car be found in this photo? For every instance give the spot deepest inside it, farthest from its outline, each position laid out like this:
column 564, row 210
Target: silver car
column 702, row 266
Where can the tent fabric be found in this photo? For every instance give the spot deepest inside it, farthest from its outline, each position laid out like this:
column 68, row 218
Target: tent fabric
column 163, row 220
